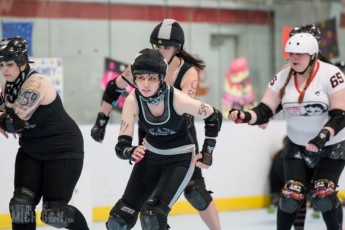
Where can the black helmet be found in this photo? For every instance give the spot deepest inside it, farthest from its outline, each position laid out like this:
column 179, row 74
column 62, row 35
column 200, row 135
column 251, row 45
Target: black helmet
column 168, row 33
column 15, row 49
column 310, row 29
column 150, row 61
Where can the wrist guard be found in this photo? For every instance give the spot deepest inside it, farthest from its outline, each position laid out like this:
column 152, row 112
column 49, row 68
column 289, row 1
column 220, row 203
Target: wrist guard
column 112, row 93
column 263, row 114
column 207, row 150
column 11, row 123
column 320, row 140
column 98, row 130
column 213, row 123
column 124, row 148
column 246, row 119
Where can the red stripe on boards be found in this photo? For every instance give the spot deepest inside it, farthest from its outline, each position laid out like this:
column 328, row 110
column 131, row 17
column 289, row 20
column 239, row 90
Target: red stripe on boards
column 104, row 11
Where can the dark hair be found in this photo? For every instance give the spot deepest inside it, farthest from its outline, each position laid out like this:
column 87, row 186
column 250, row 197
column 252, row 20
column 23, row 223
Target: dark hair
column 196, row 62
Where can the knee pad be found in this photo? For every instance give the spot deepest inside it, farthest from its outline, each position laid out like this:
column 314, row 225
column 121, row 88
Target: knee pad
column 197, row 195
column 323, row 195
column 22, row 206
column 154, row 215
column 57, row 214
column 292, row 196
column 122, row 217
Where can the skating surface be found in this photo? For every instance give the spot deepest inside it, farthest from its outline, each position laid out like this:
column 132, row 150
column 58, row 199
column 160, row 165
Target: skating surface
column 258, row 219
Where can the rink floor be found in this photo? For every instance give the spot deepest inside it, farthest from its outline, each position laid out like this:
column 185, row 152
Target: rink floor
column 258, row 219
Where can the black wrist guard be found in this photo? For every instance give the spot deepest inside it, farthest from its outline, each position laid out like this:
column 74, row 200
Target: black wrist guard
column 11, row 123
column 320, row 140
column 213, row 123
column 246, row 119
column 98, row 130
column 263, row 114
column 207, row 150
column 124, row 148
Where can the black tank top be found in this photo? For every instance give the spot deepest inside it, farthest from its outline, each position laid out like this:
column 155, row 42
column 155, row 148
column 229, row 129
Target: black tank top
column 52, row 134
column 55, row 134
column 170, row 130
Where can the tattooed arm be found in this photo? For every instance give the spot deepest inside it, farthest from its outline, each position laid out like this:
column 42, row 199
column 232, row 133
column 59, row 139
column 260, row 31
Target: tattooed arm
column 189, row 82
column 36, row 91
column 124, row 148
column 196, row 108
column 128, row 116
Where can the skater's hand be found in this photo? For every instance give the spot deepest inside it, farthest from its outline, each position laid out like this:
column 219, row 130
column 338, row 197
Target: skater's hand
column 196, row 161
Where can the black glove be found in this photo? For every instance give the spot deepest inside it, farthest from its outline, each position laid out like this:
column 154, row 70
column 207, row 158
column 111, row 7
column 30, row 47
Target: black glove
column 98, row 130
column 207, row 150
column 246, row 119
column 320, row 140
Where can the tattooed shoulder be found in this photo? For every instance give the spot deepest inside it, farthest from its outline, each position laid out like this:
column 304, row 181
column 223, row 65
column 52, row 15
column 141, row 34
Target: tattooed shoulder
column 29, row 97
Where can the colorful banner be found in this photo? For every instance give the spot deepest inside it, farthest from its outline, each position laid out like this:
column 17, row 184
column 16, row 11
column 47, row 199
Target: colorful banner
column 22, row 29
column 238, row 91
column 329, row 38
column 51, row 68
column 112, row 70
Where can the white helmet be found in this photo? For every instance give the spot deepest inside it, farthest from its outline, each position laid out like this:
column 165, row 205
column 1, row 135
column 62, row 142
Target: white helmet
column 302, row 43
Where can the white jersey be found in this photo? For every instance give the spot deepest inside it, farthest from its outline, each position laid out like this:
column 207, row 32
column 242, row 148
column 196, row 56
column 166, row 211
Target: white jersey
column 304, row 121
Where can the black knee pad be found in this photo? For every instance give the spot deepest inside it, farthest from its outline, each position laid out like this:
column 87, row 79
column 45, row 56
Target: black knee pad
column 154, row 215
column 292, row 196
column 323, row 195
column 122, row 217
column 22, row 206
column 57, row 214
column 197, row 195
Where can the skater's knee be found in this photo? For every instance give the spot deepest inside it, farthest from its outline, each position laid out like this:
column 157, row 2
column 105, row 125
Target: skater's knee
column 122, row 216
column 197, row 195
column 57, row 214
column 22, row 206
column 292, row 196
column 154, row 215
column 323, row 195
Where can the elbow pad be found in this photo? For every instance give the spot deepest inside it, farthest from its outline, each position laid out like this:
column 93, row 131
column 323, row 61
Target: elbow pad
column 11, row 123
column 124, row 148
column 213, row 123
column 263, row 114
column 337, row 120
column 112, row 93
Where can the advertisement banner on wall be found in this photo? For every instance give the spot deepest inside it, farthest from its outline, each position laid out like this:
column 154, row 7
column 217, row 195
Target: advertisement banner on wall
column 52, row 68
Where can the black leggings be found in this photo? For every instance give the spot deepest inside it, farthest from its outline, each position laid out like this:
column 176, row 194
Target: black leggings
column 53, row 180
column 297, row 170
